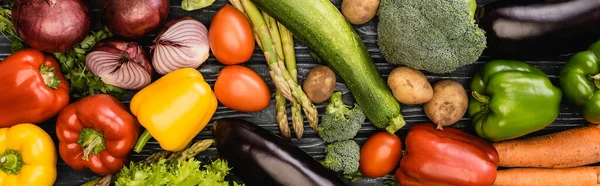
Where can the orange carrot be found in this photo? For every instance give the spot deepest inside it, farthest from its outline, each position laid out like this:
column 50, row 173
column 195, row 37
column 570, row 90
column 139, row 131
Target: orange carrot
column 580, row 176
column 570, row 148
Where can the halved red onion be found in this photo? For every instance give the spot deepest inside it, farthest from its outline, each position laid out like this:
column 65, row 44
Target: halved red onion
column 119, row 63
column 183, row 43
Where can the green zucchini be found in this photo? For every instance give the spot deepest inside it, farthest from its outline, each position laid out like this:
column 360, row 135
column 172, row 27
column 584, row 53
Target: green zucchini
column 321, row 27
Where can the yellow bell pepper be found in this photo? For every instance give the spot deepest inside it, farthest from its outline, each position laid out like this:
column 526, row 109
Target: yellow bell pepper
column 27, row 156
column 174, row 109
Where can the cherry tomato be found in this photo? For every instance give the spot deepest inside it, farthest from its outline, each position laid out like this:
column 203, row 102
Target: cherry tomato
column 380, row 154
column 239, row 88
column 230, row 36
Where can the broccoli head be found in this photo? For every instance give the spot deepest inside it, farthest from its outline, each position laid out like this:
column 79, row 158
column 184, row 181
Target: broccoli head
column 339, row 122
column 433, row 35
column 342, row 156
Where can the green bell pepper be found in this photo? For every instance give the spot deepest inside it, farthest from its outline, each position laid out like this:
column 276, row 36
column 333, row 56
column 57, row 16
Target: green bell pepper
column 580, row 80
column 511, row 99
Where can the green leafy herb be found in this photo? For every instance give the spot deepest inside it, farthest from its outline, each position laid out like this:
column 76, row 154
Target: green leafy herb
column 81, row 80
column 190, row 5
column 72, row 63
column 6, row 27
column 164, row 172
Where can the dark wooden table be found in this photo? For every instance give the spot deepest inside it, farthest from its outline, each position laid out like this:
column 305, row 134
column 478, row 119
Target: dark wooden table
column 310, row 142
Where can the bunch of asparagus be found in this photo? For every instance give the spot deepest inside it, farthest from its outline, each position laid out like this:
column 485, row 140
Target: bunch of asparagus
column 277, row 43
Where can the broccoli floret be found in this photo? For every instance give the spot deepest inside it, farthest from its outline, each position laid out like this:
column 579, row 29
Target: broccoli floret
column 339, row 122
column 433, row 35
column 342, row 156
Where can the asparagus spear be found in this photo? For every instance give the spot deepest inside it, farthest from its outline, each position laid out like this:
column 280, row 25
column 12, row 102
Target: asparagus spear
column 280, row 75
column 282, row 119
column 287, row 40
column 193, row 150
column 275, row 36
column 280, row 101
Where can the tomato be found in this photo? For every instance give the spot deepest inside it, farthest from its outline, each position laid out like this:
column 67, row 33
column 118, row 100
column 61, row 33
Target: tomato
column 380, row 154
column 239, row 88
column 230, row 36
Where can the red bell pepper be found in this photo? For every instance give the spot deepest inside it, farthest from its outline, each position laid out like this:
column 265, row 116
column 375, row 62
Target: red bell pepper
column 33, row 88
column 446, row 157
column 96, row 132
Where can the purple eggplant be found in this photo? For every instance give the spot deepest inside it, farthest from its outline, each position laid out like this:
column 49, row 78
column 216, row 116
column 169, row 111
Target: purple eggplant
column 259, row 157
column 540, row 29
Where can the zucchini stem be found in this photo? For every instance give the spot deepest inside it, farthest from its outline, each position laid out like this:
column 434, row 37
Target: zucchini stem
column 395, row 124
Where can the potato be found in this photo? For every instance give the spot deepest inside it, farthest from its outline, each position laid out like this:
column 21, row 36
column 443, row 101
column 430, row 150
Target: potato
column 448, row 105
column 319, row 84
column 359, row 11
column 409, row 86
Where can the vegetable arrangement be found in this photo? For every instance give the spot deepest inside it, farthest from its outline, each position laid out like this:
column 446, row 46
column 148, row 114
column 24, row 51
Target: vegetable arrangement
column 81, row 77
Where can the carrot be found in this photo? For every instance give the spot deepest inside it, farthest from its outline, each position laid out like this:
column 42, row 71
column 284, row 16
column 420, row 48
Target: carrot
column 570, row 148
column 580, row 176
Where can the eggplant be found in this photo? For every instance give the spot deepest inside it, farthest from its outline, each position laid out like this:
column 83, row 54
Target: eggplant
column 535, row 29
column 259, row 157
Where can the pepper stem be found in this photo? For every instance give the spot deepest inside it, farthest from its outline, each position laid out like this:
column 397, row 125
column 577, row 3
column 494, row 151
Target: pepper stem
column 49, row 76
column 480, row 97
column 596, row 79
column 141, row 142
column 11, row 161
column 91, row 141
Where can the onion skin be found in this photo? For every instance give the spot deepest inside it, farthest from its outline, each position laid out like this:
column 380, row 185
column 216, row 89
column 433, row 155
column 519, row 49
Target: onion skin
column 132, row 19
column 182, row 43
column 119, row 63
column 51, row 25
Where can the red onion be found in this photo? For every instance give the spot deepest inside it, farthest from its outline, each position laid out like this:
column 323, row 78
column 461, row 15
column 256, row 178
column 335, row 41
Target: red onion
column 119, row 63
column 132, row 19
column 51, row 25
column 183, row 43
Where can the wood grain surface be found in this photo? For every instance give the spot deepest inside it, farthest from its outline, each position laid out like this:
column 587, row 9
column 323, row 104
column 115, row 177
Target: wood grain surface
column 311, row 143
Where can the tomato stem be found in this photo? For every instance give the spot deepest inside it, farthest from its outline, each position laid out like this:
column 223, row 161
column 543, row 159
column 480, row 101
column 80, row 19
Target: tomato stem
column 141, row 142
column 91, row 141
column 49, row 76
column 11, row 161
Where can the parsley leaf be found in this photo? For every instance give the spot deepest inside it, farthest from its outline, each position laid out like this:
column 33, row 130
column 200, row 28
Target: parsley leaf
column 82, row 81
